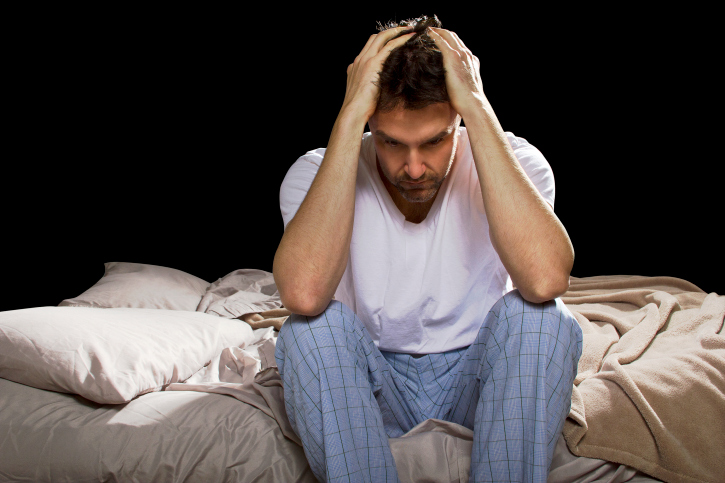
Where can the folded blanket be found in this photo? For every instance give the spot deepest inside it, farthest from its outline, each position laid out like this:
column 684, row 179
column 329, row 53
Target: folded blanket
column 650, row 391
column 269, row 318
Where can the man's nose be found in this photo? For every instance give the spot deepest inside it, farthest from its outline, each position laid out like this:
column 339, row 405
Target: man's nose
column 414, row 166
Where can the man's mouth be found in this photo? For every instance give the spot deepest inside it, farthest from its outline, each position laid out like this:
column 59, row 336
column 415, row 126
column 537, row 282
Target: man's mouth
column 414, row 183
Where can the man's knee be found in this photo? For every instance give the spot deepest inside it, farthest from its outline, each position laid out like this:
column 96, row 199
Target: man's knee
column 301, row 329
column 548, row 317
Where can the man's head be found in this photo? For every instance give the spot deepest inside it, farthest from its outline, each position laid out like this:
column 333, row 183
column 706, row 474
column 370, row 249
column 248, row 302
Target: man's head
column 414, row 128
column 413, row 77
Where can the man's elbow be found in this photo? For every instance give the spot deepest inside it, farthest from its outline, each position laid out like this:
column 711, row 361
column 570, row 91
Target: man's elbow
column 294, row 290
column 302, row 302
column 552, row 282
column 546, row 290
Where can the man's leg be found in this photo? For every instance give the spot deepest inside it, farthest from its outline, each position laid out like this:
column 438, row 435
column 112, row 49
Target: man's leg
column 515, row 387
column 335, row 383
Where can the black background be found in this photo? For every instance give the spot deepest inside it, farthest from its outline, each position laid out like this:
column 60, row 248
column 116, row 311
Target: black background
column 162, row 136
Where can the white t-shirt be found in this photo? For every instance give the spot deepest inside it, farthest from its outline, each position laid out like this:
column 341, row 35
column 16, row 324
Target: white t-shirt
column 420, row 288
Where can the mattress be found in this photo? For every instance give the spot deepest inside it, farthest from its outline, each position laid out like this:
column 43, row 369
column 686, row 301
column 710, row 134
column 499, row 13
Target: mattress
column 166, row 436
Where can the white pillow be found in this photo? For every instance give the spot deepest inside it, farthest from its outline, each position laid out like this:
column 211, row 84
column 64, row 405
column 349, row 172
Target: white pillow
column 110, row 356
column 140, row 285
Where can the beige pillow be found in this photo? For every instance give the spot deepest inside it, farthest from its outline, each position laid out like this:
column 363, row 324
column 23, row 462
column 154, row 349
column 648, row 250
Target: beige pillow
column 111, row 356
column 142, row 286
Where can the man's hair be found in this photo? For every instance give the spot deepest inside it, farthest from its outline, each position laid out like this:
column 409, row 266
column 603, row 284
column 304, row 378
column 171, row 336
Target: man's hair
column 413, row 76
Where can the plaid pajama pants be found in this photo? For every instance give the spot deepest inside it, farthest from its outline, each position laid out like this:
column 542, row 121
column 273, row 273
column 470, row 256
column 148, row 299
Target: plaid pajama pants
column 512, row 387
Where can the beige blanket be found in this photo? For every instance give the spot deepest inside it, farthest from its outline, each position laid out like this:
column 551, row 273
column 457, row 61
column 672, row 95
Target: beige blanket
column 650, row 392
column 269, row 318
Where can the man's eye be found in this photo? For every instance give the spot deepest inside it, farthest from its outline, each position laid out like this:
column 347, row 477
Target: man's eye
column 392, row 144
column 437, row 141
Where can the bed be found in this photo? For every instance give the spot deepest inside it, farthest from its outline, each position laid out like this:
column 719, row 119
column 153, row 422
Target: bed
column 153, row 374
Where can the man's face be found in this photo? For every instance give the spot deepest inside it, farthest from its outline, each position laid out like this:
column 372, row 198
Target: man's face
column 416, row 148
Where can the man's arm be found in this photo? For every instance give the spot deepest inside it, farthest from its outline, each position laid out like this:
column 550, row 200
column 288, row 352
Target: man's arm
column 528, row 237
column 312, row 255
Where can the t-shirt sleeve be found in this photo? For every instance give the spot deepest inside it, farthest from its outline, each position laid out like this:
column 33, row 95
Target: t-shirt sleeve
column 297, row 183
column 535, row 165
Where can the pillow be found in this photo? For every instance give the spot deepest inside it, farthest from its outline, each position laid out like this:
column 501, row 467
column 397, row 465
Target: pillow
column 111, row 356
column 138, row 285
column 241, row 292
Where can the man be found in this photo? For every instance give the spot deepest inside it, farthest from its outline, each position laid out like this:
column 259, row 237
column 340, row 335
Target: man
column 419, row 229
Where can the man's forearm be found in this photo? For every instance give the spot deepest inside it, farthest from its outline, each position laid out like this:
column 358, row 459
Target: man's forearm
column 528, row 237
column 314, row 249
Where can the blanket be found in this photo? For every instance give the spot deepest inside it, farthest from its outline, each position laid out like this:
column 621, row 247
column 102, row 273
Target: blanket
column 650, row 391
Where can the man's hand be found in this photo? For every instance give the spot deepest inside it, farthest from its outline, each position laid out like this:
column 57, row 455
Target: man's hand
column 362, row 92
column 463, row 72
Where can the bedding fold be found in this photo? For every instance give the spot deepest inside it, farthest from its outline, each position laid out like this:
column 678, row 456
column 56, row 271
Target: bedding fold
column 241, row 292
column 650, row 391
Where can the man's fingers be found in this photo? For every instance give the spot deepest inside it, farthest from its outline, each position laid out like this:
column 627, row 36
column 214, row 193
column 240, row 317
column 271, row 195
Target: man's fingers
column 382, row 54
column 384, row 37
column 370, row 41
column 452, row 39
column 441, row 42
column 377, row 41
column 395, row 43
column 449, row 43
column 380, row 58
column 457, row 41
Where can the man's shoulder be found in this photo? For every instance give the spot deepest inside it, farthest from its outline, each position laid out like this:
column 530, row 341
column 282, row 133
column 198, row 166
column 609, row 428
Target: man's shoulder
column 314, row 156
column 312, row 159
column 517, row 142
column 306, row 165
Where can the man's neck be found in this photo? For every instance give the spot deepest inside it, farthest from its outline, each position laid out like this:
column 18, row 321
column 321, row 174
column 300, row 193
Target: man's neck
column 413, row 212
